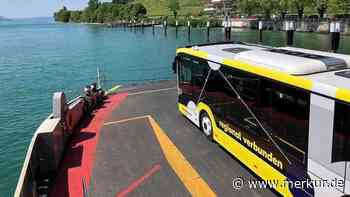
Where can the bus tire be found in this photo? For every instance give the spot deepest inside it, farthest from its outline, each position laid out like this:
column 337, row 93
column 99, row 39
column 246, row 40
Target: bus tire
column 206, row 125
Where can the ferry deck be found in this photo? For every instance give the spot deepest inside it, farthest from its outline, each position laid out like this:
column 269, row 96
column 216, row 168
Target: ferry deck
column 138, row 144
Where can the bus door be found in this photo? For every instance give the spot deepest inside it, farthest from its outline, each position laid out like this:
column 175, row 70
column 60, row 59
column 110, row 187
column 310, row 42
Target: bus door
column 341, row 140
column 328, row 145
column 192, row 75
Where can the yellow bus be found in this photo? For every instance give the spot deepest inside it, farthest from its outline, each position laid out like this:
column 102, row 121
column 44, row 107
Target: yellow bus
column 283, row 112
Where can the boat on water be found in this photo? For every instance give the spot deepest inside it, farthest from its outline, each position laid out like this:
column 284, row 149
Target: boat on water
column 281, row 113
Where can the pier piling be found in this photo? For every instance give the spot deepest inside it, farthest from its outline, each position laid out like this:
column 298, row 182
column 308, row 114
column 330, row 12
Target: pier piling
column 260, row 31
column 334, row 30
column 176, row 28
column 290, row 28
column 134, row 25
column 153, row 27
column 142, row 26
column 227, row 30
column 208, row 31
column 165, row 25
column 227, row 33
column 189, row 30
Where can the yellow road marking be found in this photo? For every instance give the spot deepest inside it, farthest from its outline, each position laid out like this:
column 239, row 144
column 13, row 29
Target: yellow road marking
column 183, row 169
column 151, row 91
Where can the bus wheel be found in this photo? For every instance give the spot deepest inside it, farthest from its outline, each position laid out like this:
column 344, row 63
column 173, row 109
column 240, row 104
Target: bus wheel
column 206, row 126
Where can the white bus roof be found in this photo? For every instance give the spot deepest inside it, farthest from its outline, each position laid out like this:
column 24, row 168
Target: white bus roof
column 294, row 61
column 322, row 72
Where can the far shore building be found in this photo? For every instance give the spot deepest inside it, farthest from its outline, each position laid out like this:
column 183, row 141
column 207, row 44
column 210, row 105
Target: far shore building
column 220, row 7
column 229, row 8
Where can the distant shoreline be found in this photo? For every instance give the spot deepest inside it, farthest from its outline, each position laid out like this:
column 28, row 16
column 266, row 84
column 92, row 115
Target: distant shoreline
column 344, row 32
column 81, row 23
column 86, row 23
column 4, row 19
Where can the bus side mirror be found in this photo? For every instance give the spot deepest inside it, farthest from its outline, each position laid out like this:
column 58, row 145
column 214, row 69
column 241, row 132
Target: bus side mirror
column 175, row 64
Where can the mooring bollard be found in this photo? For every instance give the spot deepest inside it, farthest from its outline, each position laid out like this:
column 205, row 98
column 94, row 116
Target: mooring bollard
column 142, row 26
column 135, row 26
column 260, row 31
column 290, row 28
column 165, row 25
column 176, row 27
column 227, row 31
column 334, row 29
column 189, row 30
column 208, row 31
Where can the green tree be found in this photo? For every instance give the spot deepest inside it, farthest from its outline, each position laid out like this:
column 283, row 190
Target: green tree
column 90, row 16
column 62, row 15
column 115, row 10
column 300, row 5
column 76, row 16
column 124, row 12
column 321, row 6
column 109, row 17
column 93, row 4
column 137, row 10
column 100, row 14
column 105, row 12
column 174, row 7
column 90, row 12
column 85, row 16
column 120, row 1
column 267, row 7
column 282, row 7
column 339, row 7
column 248, row 7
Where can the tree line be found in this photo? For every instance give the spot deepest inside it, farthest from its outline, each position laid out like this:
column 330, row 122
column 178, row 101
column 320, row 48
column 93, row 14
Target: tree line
column 101, row 12
column 280, row 8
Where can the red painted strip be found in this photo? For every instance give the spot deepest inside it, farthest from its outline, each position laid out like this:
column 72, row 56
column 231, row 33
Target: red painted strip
column 138, row 182
column 80, row 155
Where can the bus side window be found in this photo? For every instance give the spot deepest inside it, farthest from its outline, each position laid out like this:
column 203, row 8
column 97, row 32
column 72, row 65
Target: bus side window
column 341, row 133
column 230, row 107
column 200, row 70
column 185, row 76
column 199, row 73
column 285, row 111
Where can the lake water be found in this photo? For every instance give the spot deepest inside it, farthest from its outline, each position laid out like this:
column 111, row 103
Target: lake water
column 39, row 57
